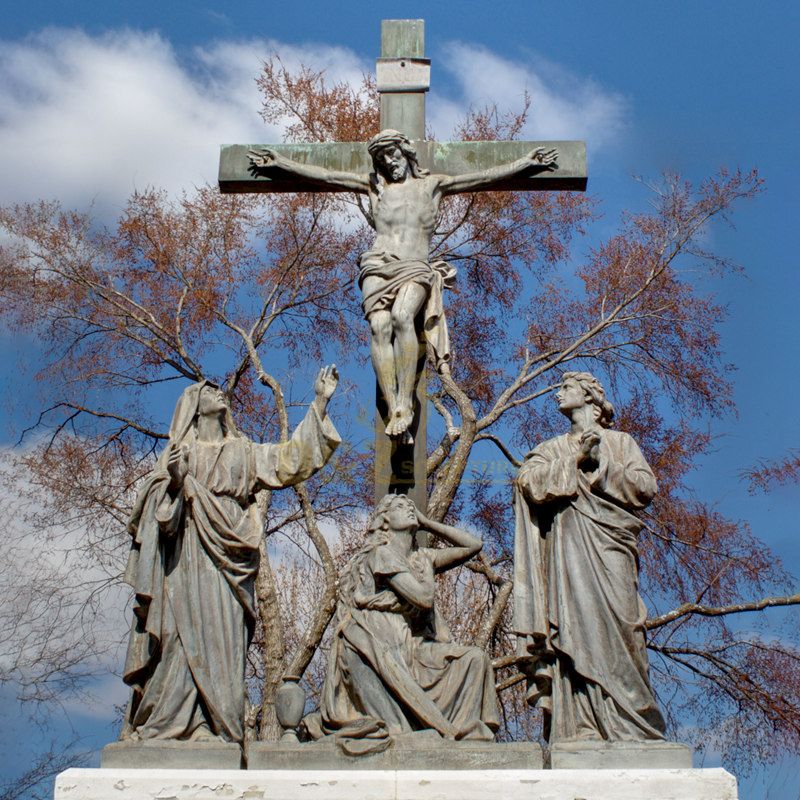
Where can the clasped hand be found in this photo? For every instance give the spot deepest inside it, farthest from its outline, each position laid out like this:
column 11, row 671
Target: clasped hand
column 589, row 447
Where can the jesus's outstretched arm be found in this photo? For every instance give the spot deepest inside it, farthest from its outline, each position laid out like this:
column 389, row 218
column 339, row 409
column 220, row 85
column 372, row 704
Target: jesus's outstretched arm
column 538, row 160
column 265, row 159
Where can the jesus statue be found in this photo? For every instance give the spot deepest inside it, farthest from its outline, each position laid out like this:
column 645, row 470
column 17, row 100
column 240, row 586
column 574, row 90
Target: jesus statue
column 397, row 279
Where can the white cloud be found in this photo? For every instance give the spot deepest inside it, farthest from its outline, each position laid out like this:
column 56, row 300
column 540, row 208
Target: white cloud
column 104, row 695
column 87, row 119
column 63, row 613
column 564, row 105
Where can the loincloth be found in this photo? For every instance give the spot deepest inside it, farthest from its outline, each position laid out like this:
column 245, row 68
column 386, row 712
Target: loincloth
column 395, row 273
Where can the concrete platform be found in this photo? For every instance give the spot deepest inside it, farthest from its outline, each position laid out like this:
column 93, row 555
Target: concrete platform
column 620, row 755
column 416, row 751
column 630, row 784
column 169, row 754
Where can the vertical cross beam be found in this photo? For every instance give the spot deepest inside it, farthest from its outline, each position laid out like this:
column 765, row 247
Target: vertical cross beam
column 403, row 78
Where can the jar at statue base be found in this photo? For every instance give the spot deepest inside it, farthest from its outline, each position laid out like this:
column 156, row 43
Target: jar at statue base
column 290, row 702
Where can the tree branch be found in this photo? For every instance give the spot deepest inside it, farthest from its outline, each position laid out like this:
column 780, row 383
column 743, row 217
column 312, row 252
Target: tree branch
column 489, row 437
column 720, row 611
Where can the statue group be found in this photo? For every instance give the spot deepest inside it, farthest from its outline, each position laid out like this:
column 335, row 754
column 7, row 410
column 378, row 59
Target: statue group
column 393, row 667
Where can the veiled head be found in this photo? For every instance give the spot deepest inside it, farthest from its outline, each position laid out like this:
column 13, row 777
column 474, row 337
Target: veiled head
column 201, row 396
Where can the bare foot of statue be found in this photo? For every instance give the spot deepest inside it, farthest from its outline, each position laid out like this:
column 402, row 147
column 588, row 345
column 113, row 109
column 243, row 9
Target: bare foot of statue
column 399, row 420
column 393, row 426
column 405, row 416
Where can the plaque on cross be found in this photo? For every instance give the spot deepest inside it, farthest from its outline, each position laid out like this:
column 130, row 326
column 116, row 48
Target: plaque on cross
column 404, row 176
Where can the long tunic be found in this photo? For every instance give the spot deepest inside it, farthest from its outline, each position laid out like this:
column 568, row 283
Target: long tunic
column 577, row 611
column 392, row 669
column 193, row 564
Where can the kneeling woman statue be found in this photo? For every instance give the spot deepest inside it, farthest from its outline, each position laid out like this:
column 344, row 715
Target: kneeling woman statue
column 393, row 669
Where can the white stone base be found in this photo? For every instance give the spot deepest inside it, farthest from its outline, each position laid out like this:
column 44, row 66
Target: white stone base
column 586, row 784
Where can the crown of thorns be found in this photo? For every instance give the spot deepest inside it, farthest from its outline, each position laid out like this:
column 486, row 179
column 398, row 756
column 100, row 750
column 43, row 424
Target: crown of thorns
column 386, row 139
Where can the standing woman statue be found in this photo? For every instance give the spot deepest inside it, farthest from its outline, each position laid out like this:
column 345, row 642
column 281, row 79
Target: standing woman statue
column 196, row 530
column 397, row 279
column 578, row 616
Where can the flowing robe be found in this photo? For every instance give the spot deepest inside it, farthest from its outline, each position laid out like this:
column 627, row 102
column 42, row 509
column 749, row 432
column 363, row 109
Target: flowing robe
column 577, row 611
column 393, row 669
column 193, row 564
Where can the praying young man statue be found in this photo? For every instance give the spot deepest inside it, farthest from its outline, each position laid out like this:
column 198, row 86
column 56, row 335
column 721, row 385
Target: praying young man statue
column 397, row 279
column 579, row 620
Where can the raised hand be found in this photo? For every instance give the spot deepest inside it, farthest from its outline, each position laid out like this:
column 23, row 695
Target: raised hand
column 423, row 521
column 547, row 159
column 324, row 386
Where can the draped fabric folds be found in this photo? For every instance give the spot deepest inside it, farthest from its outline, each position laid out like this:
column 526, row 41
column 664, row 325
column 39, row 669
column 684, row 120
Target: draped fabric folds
column 193, row 563
column 395, row 273
column 577, row 612
column 393, row 669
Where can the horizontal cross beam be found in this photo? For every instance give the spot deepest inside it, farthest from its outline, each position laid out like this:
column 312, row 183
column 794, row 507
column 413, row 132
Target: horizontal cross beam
column 447, row 158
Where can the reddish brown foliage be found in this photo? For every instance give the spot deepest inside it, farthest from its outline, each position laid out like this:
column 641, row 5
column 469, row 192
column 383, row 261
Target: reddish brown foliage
column 313, row 111
column 774, row 473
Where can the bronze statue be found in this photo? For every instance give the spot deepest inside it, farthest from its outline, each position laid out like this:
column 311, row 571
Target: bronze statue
column 397, row 279
column 392, row 668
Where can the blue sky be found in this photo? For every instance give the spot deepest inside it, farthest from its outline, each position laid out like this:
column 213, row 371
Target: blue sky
column 100, row 98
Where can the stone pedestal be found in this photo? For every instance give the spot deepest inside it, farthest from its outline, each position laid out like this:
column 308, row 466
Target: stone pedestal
column 166, row 754
column 629, row 784
column 620, row 755
column 415, row 752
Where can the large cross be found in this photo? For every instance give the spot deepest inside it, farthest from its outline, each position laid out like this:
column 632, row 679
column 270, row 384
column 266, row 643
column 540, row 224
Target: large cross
column 403, row 78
